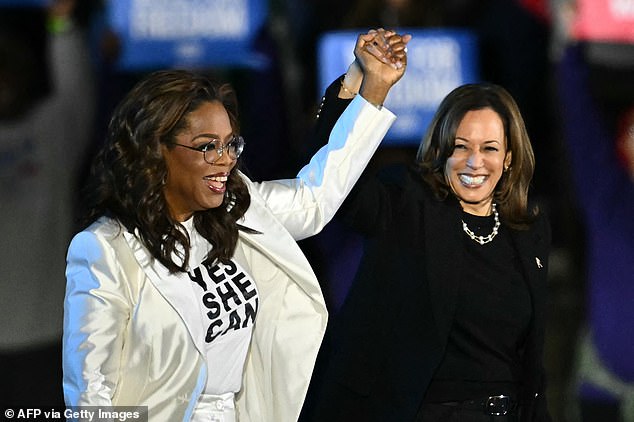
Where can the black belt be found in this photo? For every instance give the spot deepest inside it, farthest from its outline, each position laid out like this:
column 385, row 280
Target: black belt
column 494, row 405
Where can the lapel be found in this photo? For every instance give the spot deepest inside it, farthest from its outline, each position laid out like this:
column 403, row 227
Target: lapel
column 176, row 289
column 532, row 248
column 442, row 258
column 275, row 242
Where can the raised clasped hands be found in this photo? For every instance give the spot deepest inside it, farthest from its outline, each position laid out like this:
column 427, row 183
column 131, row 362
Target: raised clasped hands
column 380, row 62
column 387, row 46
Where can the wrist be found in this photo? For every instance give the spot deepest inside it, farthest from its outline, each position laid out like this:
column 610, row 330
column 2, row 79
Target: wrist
column 351, row 81
column 374, row 90
column 344, row 91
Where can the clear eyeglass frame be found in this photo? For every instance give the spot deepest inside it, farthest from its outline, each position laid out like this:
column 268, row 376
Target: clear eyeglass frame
column 213, row 150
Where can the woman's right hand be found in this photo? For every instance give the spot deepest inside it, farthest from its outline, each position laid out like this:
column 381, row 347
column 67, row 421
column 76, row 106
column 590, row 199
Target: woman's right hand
column 388, row 46
column 380, row 62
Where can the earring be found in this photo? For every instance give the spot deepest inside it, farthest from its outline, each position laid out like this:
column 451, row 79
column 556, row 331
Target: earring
column 231, row 201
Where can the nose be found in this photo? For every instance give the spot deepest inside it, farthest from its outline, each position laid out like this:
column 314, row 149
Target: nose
column 224, row 159
column 475, row 160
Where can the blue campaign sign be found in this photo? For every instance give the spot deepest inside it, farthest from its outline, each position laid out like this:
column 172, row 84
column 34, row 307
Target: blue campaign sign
column 24, row 3
column 187, row 33
column 439, row 60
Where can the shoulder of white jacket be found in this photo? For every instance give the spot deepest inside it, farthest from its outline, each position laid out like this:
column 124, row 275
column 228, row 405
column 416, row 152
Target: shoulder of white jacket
column 105, row 227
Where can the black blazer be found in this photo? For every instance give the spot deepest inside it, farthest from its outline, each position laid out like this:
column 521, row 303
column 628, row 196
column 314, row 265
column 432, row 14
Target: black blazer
column 390, row 335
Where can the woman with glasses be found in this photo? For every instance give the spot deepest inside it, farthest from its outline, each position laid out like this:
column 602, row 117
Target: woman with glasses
column 187, row 293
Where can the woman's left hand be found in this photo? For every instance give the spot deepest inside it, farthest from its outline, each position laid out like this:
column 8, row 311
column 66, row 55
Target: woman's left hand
column 382, row 57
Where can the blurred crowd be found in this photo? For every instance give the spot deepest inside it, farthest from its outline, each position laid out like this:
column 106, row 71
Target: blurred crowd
column 59, row 83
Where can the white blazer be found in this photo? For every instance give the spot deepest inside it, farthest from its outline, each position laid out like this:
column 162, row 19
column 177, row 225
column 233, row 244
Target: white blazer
column 128, row 341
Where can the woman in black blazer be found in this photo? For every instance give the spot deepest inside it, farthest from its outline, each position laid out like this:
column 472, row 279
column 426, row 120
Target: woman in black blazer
column 445, row 320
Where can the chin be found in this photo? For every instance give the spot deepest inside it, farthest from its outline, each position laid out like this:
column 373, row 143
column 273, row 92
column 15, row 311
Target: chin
column 214, row 201
column 216, row 204
column 470, row 198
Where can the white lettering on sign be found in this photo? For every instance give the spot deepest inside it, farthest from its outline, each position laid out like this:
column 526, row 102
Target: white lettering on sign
column 622, row 9
column 433, row 71
column 169, row 19
column 435, row 53
column 421, row 90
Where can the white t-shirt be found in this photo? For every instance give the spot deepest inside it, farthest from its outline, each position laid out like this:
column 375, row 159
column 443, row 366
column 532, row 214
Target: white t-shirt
column 227, row 299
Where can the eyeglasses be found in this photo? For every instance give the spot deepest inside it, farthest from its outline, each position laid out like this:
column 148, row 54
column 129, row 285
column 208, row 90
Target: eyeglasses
column 213, row 150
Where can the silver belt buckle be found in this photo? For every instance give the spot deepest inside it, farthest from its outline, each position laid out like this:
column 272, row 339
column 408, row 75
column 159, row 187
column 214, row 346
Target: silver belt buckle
column 498, row 405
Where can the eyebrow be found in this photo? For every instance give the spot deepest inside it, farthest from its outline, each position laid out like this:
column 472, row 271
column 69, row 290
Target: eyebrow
column 214, row 137
column 207, row 136
column 486, row 142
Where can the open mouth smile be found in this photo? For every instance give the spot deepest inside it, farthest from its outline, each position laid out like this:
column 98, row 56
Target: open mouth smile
column 217, row 183
column 472, row 181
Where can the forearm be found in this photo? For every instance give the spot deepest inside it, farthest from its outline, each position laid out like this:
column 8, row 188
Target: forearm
column 332, row 105
column 374, row 90
column 305, row 204
column 352, row 142
column 71, row 67
column 372, row 86
column 72, row 98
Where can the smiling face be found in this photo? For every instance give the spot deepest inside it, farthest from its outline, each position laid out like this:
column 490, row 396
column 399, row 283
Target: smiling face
column 478, row 160
column 192, row 183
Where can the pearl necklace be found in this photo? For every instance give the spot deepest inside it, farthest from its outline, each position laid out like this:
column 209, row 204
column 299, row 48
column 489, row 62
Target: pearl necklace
column 484, row 239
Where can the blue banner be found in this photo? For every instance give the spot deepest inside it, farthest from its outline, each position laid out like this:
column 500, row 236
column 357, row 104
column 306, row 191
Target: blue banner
column 24, row 3
column 439, row 60
column 187, row 33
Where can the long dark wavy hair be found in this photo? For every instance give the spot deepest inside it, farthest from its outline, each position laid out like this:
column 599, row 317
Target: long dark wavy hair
column 128, row 173
column 511, row 192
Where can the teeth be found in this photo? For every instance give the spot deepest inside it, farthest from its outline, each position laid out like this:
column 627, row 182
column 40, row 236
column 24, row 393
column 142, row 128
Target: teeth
column 472, row 180
column 216, row 178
